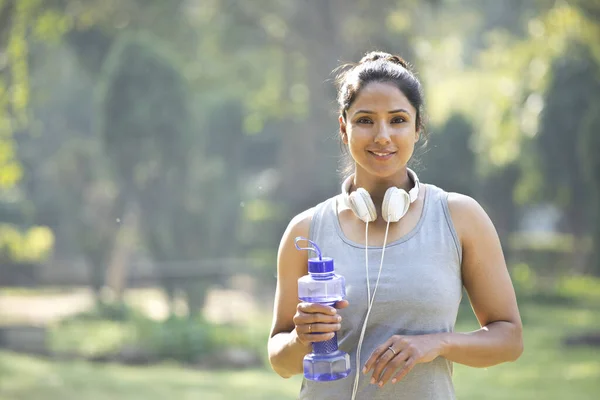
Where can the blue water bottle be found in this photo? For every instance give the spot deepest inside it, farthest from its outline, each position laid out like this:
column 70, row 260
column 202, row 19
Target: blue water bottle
column 322, row 285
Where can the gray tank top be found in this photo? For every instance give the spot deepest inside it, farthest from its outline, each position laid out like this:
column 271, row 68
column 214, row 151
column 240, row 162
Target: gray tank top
column 419, row 292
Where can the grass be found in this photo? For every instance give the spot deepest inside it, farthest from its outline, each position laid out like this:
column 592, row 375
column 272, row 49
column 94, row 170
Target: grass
column 28, row 378
column 547, row 370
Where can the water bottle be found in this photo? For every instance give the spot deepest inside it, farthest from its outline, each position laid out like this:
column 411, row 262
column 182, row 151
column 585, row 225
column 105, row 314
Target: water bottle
column 322, row 285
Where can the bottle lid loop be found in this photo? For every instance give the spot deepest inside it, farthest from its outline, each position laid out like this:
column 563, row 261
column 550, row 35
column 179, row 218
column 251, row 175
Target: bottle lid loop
column 315, row 248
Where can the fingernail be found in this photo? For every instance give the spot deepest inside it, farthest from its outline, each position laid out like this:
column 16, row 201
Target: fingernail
column 394, row 380
column 339, row 319
column 380, row 384
column 372, row 380
column 364, row 370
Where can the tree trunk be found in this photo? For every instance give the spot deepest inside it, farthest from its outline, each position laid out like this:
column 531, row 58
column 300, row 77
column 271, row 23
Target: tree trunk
column 116, row 275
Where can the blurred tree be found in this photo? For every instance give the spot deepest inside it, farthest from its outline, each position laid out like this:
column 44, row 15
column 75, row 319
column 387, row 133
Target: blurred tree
column 589, row 149
column 449, row 161
column 497, row 196
column 144, row 118
column 65, row 180
column 574, row 88
column 26, row 27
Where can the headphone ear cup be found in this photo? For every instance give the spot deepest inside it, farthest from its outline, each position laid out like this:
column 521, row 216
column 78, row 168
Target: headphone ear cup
column 395, row 204
column 362, row 205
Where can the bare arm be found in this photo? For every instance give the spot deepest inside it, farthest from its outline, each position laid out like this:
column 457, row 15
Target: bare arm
column 290, row 338
column 490, row 291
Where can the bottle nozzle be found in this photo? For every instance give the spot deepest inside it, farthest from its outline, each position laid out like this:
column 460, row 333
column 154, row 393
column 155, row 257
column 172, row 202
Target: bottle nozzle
column 315, row 248
column 316, row 265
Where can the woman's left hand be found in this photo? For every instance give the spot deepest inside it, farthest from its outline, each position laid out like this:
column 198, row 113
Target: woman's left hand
column 402, row 352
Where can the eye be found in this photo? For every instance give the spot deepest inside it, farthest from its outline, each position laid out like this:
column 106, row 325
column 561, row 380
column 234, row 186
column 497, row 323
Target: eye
column 364, row 120
column 398, row 120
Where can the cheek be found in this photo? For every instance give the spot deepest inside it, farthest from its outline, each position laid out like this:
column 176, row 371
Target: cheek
column 407, row 134
column 355, row 136
column 360, row 133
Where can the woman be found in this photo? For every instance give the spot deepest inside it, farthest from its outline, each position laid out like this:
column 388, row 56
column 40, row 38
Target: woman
column 410, row 267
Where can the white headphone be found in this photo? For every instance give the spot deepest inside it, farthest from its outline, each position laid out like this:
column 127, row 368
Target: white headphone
column 395, row 202
column 395, row 205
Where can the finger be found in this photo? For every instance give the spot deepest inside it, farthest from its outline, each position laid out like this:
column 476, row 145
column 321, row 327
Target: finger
column 311, row 308
column 381, row 364
column 320, row 328
column 376, row 354
column 302, row 318
column 315, row 337
column 408, row 366
column 341, row 304
column 392, row 366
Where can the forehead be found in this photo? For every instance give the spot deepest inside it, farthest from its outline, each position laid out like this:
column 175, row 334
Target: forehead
column 381, row 96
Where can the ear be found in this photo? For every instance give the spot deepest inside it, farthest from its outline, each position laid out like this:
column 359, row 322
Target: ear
column 417, row 135
column 343, row 132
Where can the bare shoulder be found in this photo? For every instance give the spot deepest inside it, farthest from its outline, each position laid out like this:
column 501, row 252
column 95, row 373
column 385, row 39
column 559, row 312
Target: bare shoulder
column 299, row 225
column 469, row 217
column 460, row 203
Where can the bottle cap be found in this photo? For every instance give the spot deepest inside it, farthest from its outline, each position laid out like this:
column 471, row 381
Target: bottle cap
column 320, row 265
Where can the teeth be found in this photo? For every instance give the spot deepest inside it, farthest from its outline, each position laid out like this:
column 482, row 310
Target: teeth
column 381, row 154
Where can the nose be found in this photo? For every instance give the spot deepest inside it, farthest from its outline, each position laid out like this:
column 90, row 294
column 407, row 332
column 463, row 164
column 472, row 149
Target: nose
column 383, row 135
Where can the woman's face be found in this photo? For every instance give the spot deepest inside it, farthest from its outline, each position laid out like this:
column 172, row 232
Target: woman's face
column 380, row 130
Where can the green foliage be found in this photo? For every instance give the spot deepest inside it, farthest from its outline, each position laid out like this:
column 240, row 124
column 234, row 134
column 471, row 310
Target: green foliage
column 100, row 331
column 524, row 277
column 109, row 311
column 177, row 338
column 191, row 339
column 543, row 283
column 30, row 246
column 582, row 288
column 90, row 337
column 108, row 328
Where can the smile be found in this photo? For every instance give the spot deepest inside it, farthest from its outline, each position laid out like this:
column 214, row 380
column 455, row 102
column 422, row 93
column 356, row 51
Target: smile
column 382, row 155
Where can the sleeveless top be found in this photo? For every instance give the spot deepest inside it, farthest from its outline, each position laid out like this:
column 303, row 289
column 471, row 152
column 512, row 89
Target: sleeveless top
column 419, row 292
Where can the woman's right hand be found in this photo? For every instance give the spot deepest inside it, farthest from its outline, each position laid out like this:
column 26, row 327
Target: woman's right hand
column 317, row 322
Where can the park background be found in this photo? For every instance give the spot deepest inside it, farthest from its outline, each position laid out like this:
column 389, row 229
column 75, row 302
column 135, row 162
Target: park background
column 153, row 152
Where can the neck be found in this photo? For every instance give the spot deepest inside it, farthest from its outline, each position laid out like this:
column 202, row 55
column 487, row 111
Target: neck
column 377, row 186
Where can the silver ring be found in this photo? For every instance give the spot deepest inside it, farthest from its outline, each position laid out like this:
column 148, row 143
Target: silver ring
column 393, row 351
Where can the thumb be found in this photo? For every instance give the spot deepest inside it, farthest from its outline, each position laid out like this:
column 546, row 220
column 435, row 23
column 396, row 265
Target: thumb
column 341, row 304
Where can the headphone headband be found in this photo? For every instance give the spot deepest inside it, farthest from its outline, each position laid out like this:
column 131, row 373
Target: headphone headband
column 412, row 193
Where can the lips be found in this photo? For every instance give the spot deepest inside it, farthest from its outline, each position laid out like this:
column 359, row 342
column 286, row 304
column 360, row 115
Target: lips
column 382, row 154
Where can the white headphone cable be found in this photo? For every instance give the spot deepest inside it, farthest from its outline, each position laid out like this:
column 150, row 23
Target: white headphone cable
column 367, row 263
column 369, row 300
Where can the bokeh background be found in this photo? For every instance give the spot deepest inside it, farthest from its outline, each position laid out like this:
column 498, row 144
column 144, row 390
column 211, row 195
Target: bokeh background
column 153, row 152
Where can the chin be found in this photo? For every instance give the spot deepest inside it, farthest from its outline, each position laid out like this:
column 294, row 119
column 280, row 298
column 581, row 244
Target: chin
column 384, row 173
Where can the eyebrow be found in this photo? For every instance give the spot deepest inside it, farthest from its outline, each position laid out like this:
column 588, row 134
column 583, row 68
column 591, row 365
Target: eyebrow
column 389, row 112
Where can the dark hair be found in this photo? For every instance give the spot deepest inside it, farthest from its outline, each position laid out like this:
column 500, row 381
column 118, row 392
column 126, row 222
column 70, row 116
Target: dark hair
column 378, row 66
